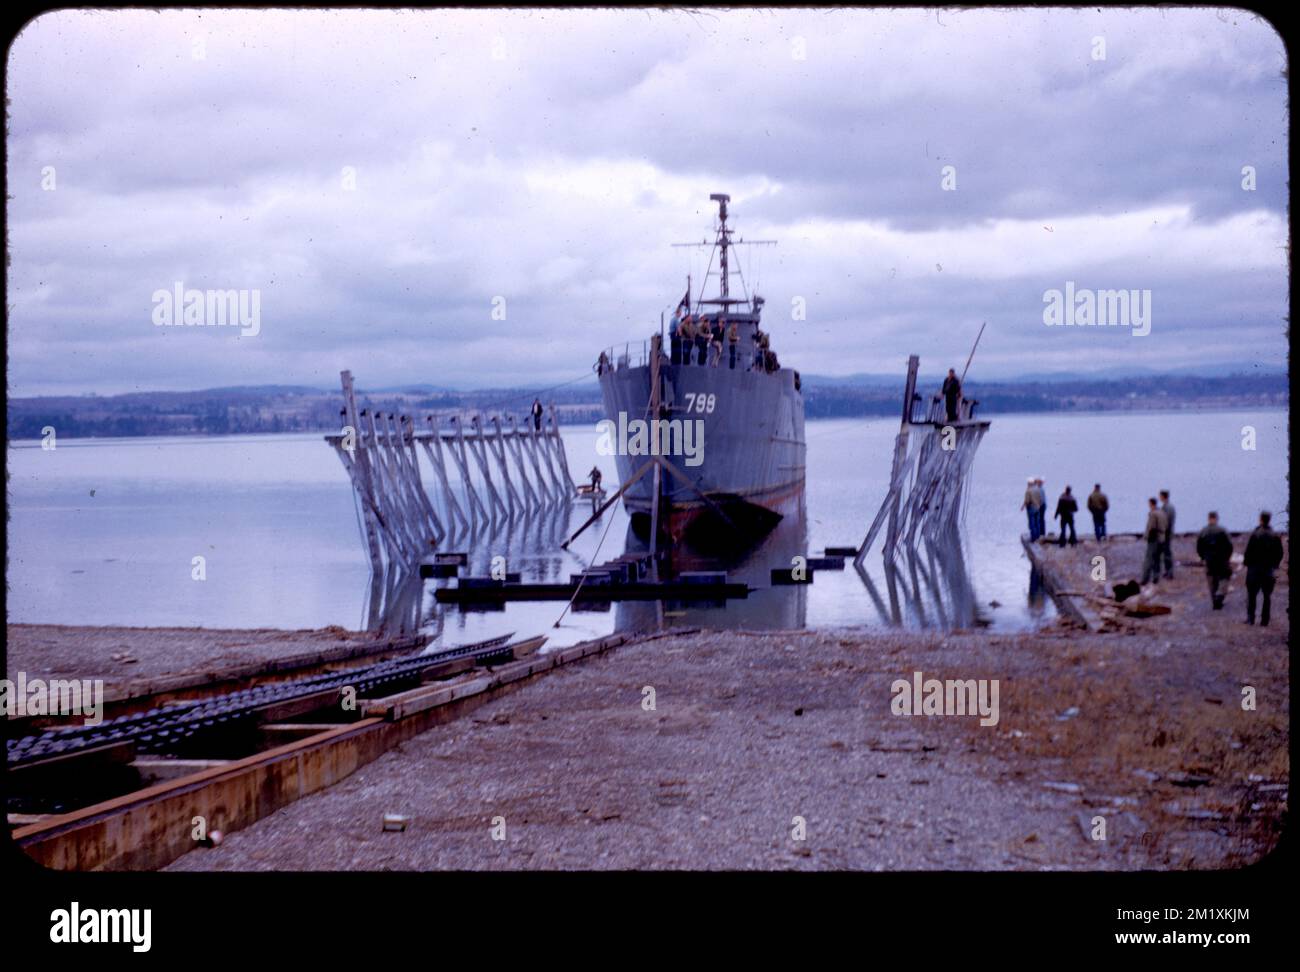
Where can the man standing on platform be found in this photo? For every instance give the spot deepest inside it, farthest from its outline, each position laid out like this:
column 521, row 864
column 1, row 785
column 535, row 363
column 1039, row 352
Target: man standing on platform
column 951, row 392
column 1066, row 507
column 1041, row 493
column 1031, row 507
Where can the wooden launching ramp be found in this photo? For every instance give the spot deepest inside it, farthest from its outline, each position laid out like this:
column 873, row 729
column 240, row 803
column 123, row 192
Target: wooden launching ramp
column 490, row 470
column 932, row 459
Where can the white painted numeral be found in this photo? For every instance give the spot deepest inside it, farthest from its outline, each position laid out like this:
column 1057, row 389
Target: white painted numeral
column 701, row 403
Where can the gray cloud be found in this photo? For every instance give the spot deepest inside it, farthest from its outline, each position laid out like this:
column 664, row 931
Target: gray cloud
column 549, row 158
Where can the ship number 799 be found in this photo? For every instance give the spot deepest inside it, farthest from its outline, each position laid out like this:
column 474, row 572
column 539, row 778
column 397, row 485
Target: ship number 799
column 701, row 403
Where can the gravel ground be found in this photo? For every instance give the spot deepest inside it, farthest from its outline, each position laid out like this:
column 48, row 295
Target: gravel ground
column 750, row 731
column 146, row 654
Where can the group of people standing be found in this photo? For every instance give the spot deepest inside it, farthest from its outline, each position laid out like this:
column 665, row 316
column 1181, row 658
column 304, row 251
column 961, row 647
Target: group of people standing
column 1262, row 557
column 704, row 338
column 1035, row 505
column 1159, row 535
column 700, row 340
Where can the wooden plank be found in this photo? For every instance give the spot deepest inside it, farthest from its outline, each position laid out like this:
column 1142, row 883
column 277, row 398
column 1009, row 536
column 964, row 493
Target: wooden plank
column 81, row 761
column 292, row 708
column 282, row 732
column 522, row 649
column 152, row 770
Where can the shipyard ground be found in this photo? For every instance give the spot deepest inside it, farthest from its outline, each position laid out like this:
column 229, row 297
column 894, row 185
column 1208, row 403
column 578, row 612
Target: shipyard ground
column 138, row 660
column 1138, row 727
column 1141, row 728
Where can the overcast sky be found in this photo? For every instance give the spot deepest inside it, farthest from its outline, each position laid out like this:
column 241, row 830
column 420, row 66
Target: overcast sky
column 550, row 159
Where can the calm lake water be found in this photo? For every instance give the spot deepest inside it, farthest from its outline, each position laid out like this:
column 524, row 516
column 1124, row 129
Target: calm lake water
column 105, row 531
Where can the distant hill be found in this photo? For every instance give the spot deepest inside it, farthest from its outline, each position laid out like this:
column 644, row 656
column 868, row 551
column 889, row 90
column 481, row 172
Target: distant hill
column 292, row 408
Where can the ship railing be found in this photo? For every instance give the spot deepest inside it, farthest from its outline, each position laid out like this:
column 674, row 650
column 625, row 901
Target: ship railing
column 632, row 354
column 936, row 411
column 636, row 354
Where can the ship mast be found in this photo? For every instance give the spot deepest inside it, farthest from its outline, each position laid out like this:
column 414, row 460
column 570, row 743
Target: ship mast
column 722, row 245
column 724, row 241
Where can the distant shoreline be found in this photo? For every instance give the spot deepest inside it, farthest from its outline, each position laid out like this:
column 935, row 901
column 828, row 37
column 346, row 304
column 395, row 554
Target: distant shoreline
column 35, row 442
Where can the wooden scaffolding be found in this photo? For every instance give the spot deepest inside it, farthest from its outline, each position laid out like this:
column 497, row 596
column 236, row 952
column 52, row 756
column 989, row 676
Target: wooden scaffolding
column 490, row 470
column 932, row 459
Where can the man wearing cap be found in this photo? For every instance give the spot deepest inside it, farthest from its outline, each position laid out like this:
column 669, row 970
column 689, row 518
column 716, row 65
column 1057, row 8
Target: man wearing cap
column 1030, row 506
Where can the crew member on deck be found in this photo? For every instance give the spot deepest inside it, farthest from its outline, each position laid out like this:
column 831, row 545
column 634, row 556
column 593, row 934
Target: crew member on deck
column 537, row 414
column 715, row 345
column 687, row 334
column 733, row 339
column 702, row 336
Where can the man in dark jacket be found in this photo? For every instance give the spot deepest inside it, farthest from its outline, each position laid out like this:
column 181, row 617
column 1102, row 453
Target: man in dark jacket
column 1214, row 547
column 1098, row 504
column 951, row 392
column 1263, row 555
column 1066, row 507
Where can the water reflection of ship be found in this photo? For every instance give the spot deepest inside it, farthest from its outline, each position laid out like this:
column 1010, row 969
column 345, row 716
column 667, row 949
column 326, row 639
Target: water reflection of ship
column 398, row 601
column 926, row 586
column 767, row 608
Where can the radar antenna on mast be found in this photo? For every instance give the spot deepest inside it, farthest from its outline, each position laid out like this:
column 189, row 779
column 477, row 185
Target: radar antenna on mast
column 721, row 245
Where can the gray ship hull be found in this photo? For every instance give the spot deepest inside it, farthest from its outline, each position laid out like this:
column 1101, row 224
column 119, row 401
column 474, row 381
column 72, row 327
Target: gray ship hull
column 748, row 427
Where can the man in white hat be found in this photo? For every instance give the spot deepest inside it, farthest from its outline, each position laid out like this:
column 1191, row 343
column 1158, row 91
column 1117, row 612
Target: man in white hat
column 1042, row 505
column 1031, row 507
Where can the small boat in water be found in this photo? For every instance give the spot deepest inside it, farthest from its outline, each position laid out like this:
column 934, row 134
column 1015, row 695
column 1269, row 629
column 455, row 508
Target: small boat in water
column 729, row 422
